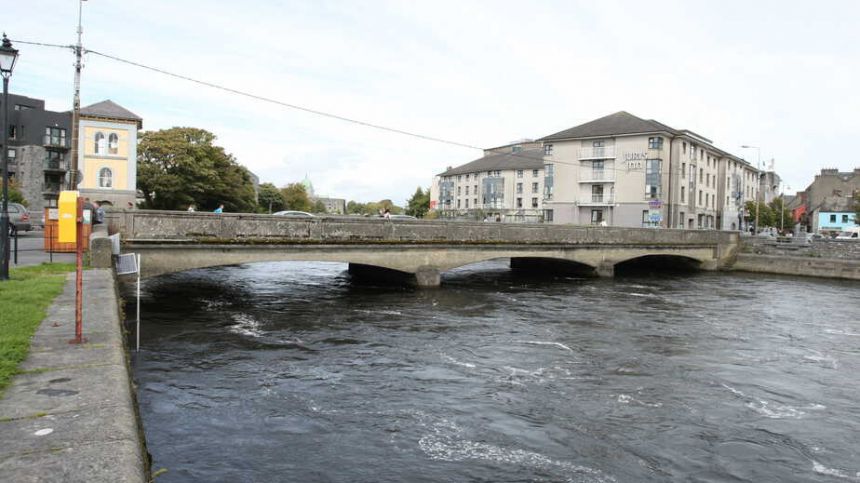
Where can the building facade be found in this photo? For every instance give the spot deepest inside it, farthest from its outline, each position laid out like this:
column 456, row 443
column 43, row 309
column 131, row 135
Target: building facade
column 829, row 201
column 506, row 184
column 621, row 170
column 38, row 150
column 107, row 154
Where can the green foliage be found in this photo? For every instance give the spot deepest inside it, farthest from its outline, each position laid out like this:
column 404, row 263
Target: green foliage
column 778, row 209
column 373, row 208
column 24, row 300
column 15, row 195
column 419, row 204
column 270, row 199
column 180, row 166
column 319, row 207
column 296, row 197
column 770, row 214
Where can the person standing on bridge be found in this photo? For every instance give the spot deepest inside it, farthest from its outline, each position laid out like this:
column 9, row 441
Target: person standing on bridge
column 220, row 208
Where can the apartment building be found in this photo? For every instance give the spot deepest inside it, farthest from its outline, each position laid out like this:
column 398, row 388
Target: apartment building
column 506, row 184
column 621, row 170
column 828, row 202
column 37, row 150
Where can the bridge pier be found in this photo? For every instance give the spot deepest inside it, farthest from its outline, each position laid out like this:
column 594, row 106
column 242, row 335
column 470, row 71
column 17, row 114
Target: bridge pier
column 428, row 277
column 605, row 270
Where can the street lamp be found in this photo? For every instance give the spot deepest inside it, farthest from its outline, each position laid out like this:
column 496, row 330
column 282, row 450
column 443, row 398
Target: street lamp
column 8, row 56
column 782, row 206
column 758, row 181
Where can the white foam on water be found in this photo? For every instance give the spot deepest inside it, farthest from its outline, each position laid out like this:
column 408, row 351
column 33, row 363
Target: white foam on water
column 383, row 312
column 44, row 432
column 627, row 399
column 443, row 444
column 246, row 325
column 820, row 358
column 823, row 470
column 775, row 411
column 456, row 362
column 540, row 342
column 841, row 332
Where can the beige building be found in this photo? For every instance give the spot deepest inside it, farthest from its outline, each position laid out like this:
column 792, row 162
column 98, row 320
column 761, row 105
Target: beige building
column 621, row 170
column 107, row 158
column 506, row 184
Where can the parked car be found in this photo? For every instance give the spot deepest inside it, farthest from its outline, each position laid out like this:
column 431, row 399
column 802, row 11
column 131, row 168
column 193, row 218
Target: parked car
column 294, row 214
column 19, row 217
column 852, row 233
column 401, row 217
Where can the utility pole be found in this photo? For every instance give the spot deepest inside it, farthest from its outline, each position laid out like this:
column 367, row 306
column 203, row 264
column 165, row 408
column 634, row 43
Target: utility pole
column 76, row 104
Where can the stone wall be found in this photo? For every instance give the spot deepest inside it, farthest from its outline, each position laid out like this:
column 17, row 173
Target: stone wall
column 825, row 248
column 800, row 266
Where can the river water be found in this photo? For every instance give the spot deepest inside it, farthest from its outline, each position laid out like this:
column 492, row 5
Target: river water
column 292, row 372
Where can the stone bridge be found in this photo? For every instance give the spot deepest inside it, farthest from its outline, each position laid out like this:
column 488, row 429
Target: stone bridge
column 172, row 241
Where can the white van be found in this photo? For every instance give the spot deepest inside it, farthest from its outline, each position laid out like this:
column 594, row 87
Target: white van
column 851, row 233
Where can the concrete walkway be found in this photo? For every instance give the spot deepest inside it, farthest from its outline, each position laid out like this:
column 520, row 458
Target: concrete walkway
column 71, row 416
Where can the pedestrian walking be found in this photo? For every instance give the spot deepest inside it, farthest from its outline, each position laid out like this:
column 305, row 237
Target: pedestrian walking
column 220, row 208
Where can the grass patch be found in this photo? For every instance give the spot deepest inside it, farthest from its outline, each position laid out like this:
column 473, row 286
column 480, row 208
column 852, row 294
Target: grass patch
column 24, row 300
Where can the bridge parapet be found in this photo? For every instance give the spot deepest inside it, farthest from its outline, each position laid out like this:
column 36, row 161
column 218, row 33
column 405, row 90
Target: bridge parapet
column 236, row 228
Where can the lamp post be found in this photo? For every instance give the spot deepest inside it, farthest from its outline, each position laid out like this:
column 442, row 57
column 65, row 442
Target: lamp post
column 8, row 56
column 758, row 182
column 782, row 207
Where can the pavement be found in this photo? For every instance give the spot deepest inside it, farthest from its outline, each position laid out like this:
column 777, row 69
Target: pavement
column 71, row 415
column 31, row 250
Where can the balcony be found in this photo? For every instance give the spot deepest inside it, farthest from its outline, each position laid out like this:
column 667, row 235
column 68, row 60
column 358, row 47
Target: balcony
column 51, row 189
column 597, row 200
column 58, row 166
column 597, row 176
column 49, row 141
column 604, row 152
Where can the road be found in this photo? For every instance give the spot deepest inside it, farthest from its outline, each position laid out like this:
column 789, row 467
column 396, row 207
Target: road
column 31, row 250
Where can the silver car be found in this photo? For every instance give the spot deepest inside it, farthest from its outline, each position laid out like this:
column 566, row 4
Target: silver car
column 19, row 217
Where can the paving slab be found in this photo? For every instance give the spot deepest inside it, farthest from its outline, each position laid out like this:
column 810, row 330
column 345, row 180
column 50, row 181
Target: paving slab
column 71, row 415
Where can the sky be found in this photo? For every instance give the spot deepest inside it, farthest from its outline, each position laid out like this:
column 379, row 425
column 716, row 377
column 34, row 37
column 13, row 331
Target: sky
column 781, row 75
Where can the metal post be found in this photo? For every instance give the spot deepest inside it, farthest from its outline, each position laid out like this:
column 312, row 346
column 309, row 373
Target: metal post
column 137, row 330
column 50, row 243
column 76, row 104
column 4, row 215
column 15, row 236
column 79, row 281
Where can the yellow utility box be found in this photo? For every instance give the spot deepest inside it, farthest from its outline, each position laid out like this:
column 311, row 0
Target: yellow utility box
column 68, row 216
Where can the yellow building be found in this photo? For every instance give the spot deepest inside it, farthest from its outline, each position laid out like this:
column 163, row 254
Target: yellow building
column 107, row 153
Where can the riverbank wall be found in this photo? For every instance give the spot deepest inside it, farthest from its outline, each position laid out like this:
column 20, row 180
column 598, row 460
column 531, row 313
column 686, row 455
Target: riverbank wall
column 821, row 258
column 71, row 415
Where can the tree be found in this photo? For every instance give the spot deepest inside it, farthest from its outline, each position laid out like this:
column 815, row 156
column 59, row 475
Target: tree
column 319, row 207
column 419, row 204
column 15, row 195
column 765, row 214
column 270, row 199
column 180, row 166
column 296, row 197
column 781, row 216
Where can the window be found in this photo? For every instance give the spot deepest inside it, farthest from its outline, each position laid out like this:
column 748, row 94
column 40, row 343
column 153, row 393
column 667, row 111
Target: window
column 708, row 179
column 684, row 145
column 534, row 187
column 832, row 218
column 547, row 215
column 475, row 202
column 655, row 143
column 597, row 144
column 100, row 143
column 683, row 170
column 597, row 193
column 105, row 178
column 707, row 200
column 11, row 153
column 701, row 174
column 844, row 218
column 467, row 177
column 646, row 218
column 534, row 202
column 519, row 187
column 652, row 178
column 459, row 177
column 682, row 194
column 458, row 204
column 596, row 216
column 459, row 192
column 535, row 173
column 467, row 191
column 467, row 203
column 55, row 136
column 516, row 149
column 519, row 202
column 497, row 173
column 519, row 173
column 681, row 219
column 547, row 150
column 475, row 189
column 700, row 197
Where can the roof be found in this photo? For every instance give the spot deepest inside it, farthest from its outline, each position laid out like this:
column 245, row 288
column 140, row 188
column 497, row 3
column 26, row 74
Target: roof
column 622, row 122
column 525, row 159
column 110, row 110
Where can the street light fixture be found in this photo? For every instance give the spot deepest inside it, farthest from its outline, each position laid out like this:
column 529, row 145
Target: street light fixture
column 8, row 56
column 758, row 181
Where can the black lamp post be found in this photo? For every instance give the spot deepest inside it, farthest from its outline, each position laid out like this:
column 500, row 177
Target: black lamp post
column 8, row 56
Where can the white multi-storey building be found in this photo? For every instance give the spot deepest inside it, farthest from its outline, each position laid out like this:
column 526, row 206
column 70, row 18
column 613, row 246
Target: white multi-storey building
column 506, row 184
column 621, row 170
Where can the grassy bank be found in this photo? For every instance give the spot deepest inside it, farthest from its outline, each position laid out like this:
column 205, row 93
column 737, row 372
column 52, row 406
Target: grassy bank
column 24, row 300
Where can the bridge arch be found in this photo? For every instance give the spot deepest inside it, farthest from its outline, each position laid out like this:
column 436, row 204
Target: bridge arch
column 664, row 263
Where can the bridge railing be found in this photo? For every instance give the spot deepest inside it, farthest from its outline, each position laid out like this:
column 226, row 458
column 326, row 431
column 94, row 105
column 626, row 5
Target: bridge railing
column 227, row 228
